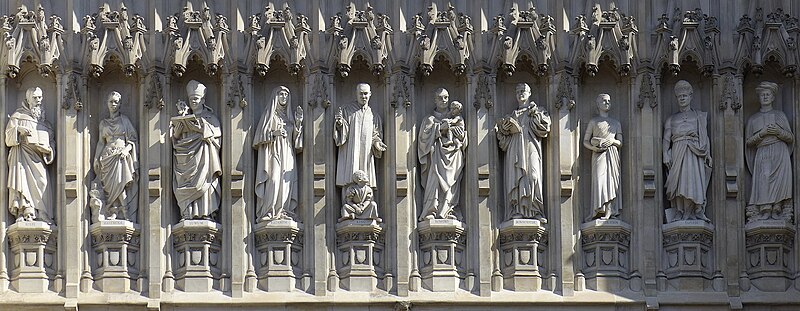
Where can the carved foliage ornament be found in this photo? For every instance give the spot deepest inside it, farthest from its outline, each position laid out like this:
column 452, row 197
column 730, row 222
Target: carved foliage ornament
column 611, row 34
column 401, row 93
column 446, row 33
column 281, row 32
column 565, row 95
column 529, row 33
column 647, row 92
column 365, row 34
column 155, row 97
column 483, row 92
column 72, row 95
column 31, row 34
column 730, row 94
column 236, row 91
column 319, row 92
column 688, row 35
column 107, row 32
column 773, row 38
column 197, row 33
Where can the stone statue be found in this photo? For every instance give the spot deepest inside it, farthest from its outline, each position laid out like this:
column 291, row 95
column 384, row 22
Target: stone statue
column 358, row 135
column 116, row 165
column 520, row 135
column 278, row 137
column 358, row 199
column 196, row 140
column 32, row 147
column 604, row 138
column 769, row 144
column 687, row 155
column 442, row 142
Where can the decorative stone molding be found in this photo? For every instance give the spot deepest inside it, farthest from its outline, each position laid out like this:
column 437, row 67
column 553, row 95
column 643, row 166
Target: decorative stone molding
column 523, row 243
column 770, row 255
column 200, row 34
column 236, row 91
column 690, row 35
column 155, row 94
column 197, row 244
column 730, row 93
column 565, row 94
column 647, row 92
column 688, row 246
column 365, row 34
column 360, row 260
column 284, row 35
column 33, row 249
column 279, row 245
column 108, row 33
column 447, row 33
column 28, row 34
column 319, row 91
column 442, row 244
column 611, row 34
column 483, row 91
column 400, row 90
column 763, row 40
column 116, row 246
column 532, row 37
column 606, row 245
column 72, row 94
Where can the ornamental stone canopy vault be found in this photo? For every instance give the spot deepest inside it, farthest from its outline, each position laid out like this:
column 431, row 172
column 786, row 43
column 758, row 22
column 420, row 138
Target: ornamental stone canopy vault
column 399, row 155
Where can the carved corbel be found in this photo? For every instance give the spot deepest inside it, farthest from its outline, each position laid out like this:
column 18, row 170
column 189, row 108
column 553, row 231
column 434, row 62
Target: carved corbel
column 770, row 39
column 319, row 92
column 531, row 35
column 565, row 94
column 30, row 34
column 110, row 32
column 483, row 92
column 611, row 34
column 689, row 35
column 72, row 95
column 400, row 90
column 447, row 33
column 197, row 33
column 283, row 34
column 365, row 34
column 155, row 97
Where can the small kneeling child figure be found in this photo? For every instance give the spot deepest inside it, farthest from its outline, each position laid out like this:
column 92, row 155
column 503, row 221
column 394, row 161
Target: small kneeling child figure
column 358, row 202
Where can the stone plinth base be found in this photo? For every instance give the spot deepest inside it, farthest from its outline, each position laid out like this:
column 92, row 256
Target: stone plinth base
column 278, row 251
column 33, row 247
column 360, row 255
column 522, row 244
column 687, row 254
column 442, row 243
column 605, row 246
column 116, row 246
column 769, row 254
column 197, row 247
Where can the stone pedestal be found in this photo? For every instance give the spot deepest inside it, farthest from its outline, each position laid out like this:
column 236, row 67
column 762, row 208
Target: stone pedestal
column 687, row 254
column 605, row 246
column 278, row 251
column 33, row 247
column 522, row 246
column 360, row 255
column 197, row 247
column 442, row 243
column 769, row 254
column 116, row 247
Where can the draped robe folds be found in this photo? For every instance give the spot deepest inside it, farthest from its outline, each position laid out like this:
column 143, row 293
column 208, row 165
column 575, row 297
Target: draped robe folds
column 689, row 174
column 769, row 162
column 198, row 167
column 115, row 168
column 359, row 202
column 442, row 162
column 27, row 173
column 523, row 161
column 276, row 172
column 356, row 140
column 606, row 174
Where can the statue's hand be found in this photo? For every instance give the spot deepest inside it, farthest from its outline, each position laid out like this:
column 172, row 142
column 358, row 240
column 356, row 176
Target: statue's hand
column 298, row 115
column 380, row 146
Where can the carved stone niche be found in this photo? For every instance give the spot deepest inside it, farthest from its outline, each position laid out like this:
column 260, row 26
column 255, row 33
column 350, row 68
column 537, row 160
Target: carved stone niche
column 522, row 247
column 116, row 245
column 687, row 256
column 279, row 245
column 360, row 245
column 197, row 245
column 442, row 245
column 605, row 246
column 34, row 253
column 770, row 255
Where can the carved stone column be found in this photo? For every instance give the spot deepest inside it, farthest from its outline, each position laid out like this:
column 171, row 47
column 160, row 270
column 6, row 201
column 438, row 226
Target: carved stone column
column 605, row 251
column 769, row 254
column 687, row 256
column 522, row 248
column 34, row 254
column 279, row 245
column 197, row 247
column 442, row 242
column 116, row 245
column 360, row 243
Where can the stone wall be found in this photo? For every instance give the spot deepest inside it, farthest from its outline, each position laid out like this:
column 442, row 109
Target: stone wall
column 567, row 51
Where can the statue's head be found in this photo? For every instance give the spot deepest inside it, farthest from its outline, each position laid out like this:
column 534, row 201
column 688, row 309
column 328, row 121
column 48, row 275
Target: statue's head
column 455, row 108
column 33, row 97
column 683, row 93
column 523, row 92
column 363, row 93
column 441, row 97
column 113, row 101
column 282, row 95
column 360, row 177
column 196, row 92
column 603, row 102
column 766, row 92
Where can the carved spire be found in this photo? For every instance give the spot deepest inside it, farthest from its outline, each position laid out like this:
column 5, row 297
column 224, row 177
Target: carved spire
column 284, row 34
column 197, row 32
column 32, row 33
column 365, row 33
column 530, row 34
column 113, row 32
column 447, row 33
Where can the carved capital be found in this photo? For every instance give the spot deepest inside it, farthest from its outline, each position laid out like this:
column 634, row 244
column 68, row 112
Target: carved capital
column 31, row 33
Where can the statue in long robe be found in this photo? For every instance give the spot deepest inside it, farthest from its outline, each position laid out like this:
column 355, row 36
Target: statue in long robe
column 604, row 138
column 357, row 133
column 441, row 145
column 196, row 146
column 31, row 148
column 520, row 136
column 687, row 154
column 769, row 141
column 116, row 165
column 278, row 137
